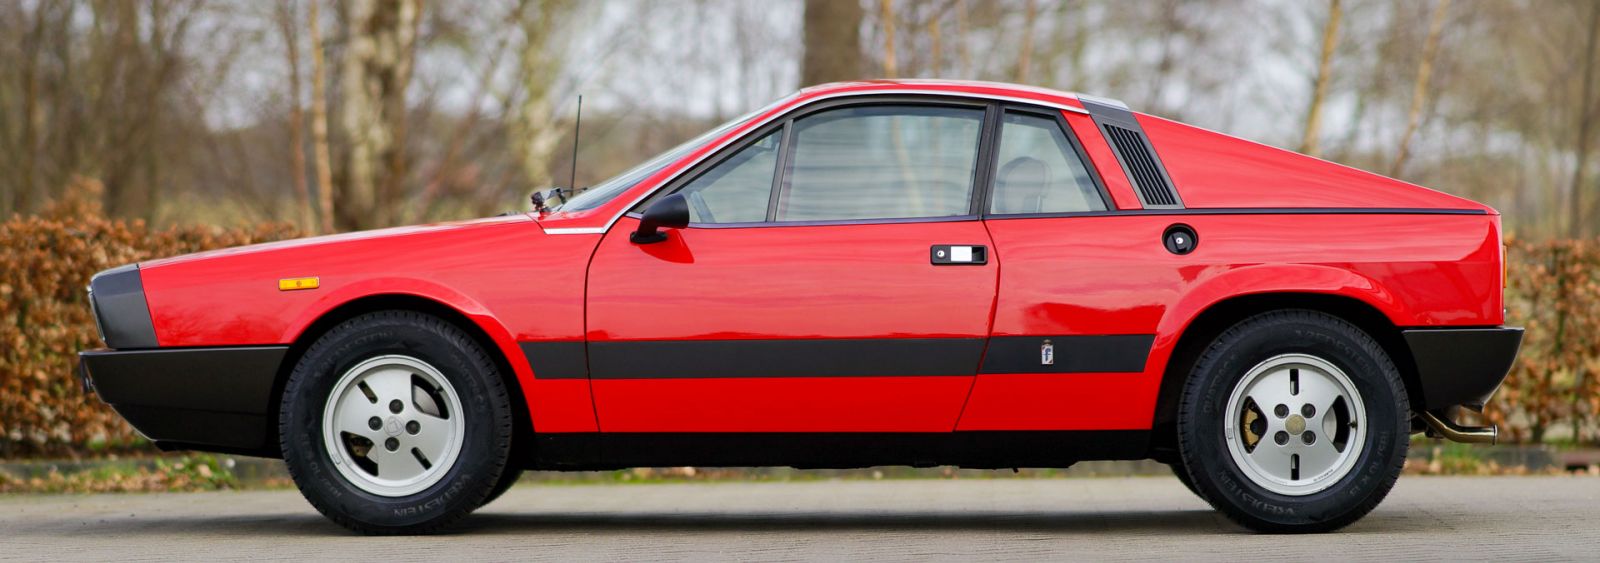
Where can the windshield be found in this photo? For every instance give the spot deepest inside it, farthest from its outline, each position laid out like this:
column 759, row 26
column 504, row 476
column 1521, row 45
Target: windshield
column 605, row 191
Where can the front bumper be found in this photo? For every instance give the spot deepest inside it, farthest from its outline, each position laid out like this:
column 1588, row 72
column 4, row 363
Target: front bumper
column 211, row 399
column 1462, row 366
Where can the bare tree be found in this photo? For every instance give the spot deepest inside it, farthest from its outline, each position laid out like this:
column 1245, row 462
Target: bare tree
column 832, row 38
column 1575, row 224
column 288, row 26
column 886, row 17
column 380, row 39
column 964, row 51
column 1419, row 91
column 1319, row 89
column 533, row 130
column 319, row 121
column 1025, row 54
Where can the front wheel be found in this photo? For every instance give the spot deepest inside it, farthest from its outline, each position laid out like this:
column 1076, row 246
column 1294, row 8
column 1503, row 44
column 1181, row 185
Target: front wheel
column 1294, row 421
column 395, row 423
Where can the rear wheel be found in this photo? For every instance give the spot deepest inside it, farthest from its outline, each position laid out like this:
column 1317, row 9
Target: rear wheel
column 395, row 423
column 1182, row 473
column 507, row 479
column 1293, row 421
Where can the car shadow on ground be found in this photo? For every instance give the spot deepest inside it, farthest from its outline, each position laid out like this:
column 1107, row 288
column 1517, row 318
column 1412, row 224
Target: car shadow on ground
column 1188, row 521
column 1178, row 522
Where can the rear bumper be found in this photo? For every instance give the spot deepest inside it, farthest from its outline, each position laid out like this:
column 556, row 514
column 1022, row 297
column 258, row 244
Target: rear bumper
column 213, row 399
column 1462, row 366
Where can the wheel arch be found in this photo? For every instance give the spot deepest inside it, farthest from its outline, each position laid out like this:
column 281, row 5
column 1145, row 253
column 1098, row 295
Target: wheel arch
column 510, row 372
column 1219, row 316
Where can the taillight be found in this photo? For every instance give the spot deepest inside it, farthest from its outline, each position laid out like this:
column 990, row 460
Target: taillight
column 1505, row 258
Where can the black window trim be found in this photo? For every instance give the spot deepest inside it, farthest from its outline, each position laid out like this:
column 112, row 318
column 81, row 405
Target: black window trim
column 981, row 173
column 986, row 151
column 1077, row 147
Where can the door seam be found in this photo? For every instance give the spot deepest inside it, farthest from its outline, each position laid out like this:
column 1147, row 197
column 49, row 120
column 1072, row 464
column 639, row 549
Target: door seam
column 994, row 308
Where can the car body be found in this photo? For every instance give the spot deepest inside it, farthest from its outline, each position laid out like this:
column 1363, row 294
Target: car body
column 1018, row 320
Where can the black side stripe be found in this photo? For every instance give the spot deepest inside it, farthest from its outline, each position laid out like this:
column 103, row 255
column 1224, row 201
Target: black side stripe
column 654, row 359
column 1121, row 353
column 557, row 360
column 876, row 357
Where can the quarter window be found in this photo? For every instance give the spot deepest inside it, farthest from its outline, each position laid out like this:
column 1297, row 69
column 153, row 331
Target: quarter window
column 881, row 162
column 1039, row 171
column 736, row 190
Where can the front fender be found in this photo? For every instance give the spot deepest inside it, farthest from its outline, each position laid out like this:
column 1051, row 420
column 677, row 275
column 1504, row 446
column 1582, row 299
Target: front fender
column 411, row 287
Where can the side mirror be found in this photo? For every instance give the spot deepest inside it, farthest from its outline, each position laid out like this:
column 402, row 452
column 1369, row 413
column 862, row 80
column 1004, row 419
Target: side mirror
column 672, row 212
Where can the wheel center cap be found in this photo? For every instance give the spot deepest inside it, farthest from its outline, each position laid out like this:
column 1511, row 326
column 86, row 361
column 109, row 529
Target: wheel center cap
column 1295, row 425
column 392, row 426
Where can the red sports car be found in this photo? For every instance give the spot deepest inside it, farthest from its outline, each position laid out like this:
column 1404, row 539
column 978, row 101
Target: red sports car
column 867, row 273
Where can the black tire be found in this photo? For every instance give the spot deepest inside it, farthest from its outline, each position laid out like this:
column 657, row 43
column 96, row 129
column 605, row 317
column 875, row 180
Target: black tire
column 1201, row 435
column 486, row 412
column 507, row 479
column 1182, row 473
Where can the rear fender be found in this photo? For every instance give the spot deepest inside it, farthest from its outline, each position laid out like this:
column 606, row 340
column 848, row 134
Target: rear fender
column 1267, row 279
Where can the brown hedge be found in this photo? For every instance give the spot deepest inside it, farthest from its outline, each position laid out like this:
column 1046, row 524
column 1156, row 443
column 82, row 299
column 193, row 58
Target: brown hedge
column 1553, row 391
column 45, row 265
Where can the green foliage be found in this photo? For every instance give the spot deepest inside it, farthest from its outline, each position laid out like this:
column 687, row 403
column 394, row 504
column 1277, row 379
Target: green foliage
column 186, row 474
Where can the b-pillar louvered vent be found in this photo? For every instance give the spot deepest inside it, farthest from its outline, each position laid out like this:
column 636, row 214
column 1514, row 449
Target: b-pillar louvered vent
column 1142, row 169
column 1133, row 150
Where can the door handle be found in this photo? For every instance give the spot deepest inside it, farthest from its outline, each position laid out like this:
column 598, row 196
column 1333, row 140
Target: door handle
column 958, row 255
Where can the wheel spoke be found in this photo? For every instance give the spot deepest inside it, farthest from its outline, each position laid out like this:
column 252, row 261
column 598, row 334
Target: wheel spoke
column 433, row 437
column 1317, row 457
column 1270, row 391
column 395, row 465
column 1272, row 458
column 390, row 385
column 353, row 414
column 1318, row 390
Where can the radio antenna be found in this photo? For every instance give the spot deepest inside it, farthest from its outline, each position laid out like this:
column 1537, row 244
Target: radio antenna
column 577, row 126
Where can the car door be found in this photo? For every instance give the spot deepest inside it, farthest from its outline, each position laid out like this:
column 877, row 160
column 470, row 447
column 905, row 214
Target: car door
column 1081, row 294
column 833, row 278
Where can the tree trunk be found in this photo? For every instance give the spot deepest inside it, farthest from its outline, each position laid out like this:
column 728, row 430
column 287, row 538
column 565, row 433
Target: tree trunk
column 534, row 135
column 1025, row 56
column 32, row 119
column 963, row 49
column 319, row 124
column 1575, row 226
column 1419, row 90
column 297, row 135
column 380, row 37
column 891, row 67
column 1319, row 90
column 832, row 37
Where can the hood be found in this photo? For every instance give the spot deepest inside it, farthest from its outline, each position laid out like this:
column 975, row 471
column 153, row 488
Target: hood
column 340, row 239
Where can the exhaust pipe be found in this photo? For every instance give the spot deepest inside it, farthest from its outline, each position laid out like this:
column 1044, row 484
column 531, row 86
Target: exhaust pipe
column 1449, row 430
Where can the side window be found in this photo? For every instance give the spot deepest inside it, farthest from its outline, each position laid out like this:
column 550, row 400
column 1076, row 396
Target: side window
column 1039, row 171
column 736, row 190
column 881, row 162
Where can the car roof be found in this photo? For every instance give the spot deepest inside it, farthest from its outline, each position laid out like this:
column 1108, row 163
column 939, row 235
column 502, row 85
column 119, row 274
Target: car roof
column 972, row 88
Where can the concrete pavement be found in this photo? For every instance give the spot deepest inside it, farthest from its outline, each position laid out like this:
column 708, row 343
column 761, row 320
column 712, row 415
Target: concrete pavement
column 1498, row 518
